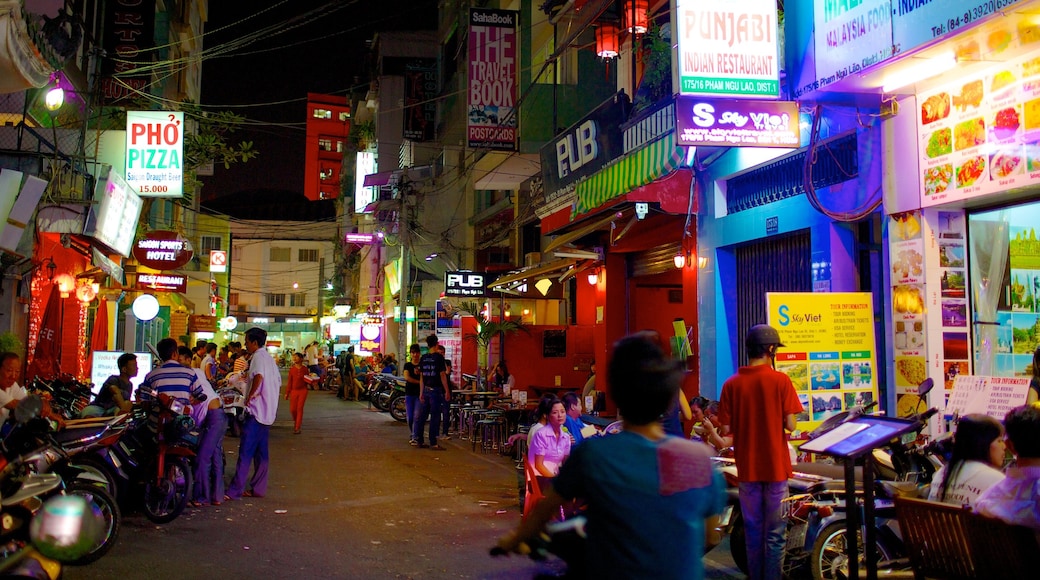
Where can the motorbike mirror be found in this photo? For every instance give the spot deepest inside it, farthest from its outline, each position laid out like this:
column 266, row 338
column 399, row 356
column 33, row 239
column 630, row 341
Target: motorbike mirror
column 925, row 387
column 28, row 409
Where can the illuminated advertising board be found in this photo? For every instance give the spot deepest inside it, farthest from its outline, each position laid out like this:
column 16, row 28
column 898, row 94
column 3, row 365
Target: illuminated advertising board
column 155, row 153
column 492, row 79
column 104, row 363
column 112, row 218
column 163, row 250
column 162, row 282
column 365, row 164
column 728, row 48
column 736, row 122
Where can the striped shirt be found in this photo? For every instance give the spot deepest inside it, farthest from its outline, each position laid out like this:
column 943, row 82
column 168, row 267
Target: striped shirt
column 173, row 379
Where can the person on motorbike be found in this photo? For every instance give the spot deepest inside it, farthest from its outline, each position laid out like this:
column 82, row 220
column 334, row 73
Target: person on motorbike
column 114, row 395
column 648, row 494
column 974, row 466
column 1016, row 498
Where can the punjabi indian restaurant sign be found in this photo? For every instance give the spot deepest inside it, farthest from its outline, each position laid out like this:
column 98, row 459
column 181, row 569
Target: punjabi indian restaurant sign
column 585, row 147
column 728, row 48
column 491, row 93
column 155, row 153
column 163, row 250
column 736, row 122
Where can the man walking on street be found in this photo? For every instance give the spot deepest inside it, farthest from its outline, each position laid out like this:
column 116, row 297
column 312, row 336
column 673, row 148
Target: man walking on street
column 756, row 406
column 433, row 388
column 265, row 382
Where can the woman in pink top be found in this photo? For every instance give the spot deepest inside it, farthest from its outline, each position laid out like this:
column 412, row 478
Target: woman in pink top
column 551, row 445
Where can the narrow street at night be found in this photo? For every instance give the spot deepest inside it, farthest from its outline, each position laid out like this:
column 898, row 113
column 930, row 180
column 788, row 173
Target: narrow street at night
column 348, row 498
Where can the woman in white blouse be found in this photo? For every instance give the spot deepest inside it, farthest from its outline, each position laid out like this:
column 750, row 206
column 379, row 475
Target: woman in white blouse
column 978, row 455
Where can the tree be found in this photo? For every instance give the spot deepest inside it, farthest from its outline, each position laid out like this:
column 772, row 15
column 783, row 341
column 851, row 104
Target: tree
column 487, row 330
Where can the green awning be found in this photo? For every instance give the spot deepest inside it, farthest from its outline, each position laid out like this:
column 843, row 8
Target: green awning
column 638, row 168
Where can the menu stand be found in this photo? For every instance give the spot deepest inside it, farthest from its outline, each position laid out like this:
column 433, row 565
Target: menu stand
column 850, row 442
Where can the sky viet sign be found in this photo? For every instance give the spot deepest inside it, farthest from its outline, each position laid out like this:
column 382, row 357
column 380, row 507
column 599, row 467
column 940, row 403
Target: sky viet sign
column 492, row 79
column 728, row 48
column 155, row 153
column 736, row 122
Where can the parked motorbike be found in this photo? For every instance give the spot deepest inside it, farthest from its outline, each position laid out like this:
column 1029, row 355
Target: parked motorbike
column 35, row 465
column 67, row 396
column 151, row 461
column 232, row 392
column 386, row 393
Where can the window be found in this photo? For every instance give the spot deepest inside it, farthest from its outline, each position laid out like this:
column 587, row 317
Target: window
column 274, row 299
column 209, row 243
column 325, row 174
column 308, row 255
column 322, row 114
column 236, row 253
column 343, row 116
column 298, row 299
column 325, row 144
column 232, row 299
column 339, row 146
column 281, row 254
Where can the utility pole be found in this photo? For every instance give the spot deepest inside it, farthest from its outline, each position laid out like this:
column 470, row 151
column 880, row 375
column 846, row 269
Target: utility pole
column 403, row 235
column 321, row 299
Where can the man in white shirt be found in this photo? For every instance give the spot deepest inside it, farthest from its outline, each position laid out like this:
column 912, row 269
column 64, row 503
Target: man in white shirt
column 10, row 391
column 265, row 382
column 209, row 362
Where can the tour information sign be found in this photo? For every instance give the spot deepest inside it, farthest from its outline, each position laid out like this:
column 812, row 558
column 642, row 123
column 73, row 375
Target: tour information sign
column 829, row 350
column 993, row 396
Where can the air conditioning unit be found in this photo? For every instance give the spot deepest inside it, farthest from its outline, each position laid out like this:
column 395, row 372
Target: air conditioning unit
column 532, row 259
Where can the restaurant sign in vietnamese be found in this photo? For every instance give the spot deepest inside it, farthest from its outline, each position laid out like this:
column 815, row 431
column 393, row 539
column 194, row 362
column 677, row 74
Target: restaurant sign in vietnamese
column 728, row 48
column 155, row 153
column 491, row 94
column 736, row 122
column 163, row 250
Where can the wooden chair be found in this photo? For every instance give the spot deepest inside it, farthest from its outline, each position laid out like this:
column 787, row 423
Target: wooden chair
column 1002, row 550
column 935, row 536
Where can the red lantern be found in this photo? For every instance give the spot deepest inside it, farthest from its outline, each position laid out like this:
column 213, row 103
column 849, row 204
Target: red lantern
column 607, row 40
column 640, row 9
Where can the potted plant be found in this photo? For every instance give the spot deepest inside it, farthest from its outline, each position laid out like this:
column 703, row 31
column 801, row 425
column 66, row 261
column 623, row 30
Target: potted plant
column 487, row 329
column 9, row 342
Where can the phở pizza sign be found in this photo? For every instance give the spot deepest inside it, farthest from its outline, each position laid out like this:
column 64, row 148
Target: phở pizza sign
column 155, row 153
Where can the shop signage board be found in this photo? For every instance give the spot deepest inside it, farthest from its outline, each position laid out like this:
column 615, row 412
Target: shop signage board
column 728, row 48
column 851, row 36
column 163, row 250
column 993, row 396
column 371, row 338
column 105, row 363
column 830, row 353
column 981, row 134
column 364, row 195
column 492, row 79
column 112, row 217
column 162, row 282
column 420, row 102
column 736, row 122
column 155, row 153
column 915, row 23
column 469, row 284
column 586, row 146
column 218, row 261
column 203, row 323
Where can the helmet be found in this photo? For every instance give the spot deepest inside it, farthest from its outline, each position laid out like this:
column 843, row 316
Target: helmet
column 763, row 334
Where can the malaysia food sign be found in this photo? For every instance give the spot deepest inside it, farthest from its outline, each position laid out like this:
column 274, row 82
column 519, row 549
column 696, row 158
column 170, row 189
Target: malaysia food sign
column 155, row 153
column 492, row 79
column 728, row 48
column 163, row 250
column 736, row 122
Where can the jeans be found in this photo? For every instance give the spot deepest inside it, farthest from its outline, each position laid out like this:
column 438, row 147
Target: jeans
column 446, row 418
column 411, row 405
column 430, row 407
column 209, row 470
column 252, row 449
column 765, row 528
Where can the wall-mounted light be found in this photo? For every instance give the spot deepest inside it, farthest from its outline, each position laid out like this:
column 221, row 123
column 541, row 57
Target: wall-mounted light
column 920, row 71
column 295, row 285
column 679, row 260
column 55, row 97
column 594, row 277
column 543, row 285
column 527, row 311
column 66, row 284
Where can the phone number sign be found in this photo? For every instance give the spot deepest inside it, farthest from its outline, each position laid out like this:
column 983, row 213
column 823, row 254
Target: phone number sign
column 155, row 153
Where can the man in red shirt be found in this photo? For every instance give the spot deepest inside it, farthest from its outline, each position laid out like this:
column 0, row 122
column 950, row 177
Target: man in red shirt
column 757, row 405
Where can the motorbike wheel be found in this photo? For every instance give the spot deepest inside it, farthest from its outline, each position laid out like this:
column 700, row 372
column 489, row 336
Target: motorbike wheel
column 398, row 409
column 381, row 400
column 90, row 463
column 104, row 504
column 165, row 500
column 829, row 559
column 737, row 540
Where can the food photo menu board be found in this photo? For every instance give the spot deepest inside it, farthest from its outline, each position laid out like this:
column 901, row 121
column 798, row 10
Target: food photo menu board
column 829, row 350
column 907, row 275
column 981, row 134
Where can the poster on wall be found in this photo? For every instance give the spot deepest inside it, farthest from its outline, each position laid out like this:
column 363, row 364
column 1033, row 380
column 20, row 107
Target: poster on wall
column 830, row 351
column 909, row 336
column 1019, row 332
column 951, row 244
column 980, row 134
column 492, row 79
column 728, row 48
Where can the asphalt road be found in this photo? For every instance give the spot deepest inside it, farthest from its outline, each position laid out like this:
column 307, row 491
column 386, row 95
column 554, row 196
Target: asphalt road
column 347, row 498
